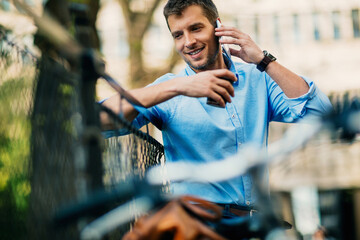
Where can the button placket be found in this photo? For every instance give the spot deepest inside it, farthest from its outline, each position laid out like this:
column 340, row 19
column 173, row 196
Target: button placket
column 230, row 107
column 247, row 187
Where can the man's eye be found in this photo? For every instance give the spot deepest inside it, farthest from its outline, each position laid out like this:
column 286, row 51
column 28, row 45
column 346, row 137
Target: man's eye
column 177, row 36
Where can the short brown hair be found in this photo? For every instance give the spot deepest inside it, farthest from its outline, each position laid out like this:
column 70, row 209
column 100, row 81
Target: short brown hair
column 176, row 7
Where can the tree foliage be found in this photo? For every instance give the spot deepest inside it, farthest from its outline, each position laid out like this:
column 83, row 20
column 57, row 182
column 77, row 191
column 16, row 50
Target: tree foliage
column 15, row 100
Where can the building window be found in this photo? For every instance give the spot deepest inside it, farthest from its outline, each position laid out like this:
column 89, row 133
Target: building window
column 256, row 29
column 156, row 41
column 315, row 17
column 276, row 29
column 29, row 2
column 122, row 49
column 355, row 21
column 235, row 21
column 296, row 28
column 5, row 5
column 336, row 24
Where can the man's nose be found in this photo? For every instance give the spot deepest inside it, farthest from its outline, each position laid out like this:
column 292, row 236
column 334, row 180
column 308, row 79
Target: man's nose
column 189, row 40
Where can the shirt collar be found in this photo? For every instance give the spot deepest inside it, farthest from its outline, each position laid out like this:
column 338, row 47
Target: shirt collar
column 229, row 63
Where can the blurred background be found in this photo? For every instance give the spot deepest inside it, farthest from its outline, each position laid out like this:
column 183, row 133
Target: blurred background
column 317, row 187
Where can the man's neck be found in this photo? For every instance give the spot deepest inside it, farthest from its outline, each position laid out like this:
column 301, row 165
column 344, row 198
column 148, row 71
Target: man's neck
column 219, row 64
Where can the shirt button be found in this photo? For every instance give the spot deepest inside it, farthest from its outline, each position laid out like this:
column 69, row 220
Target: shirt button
column 248, row 203
column 233, row 116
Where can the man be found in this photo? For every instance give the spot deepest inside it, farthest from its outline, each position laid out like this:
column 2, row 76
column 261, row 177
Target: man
column 250, row 95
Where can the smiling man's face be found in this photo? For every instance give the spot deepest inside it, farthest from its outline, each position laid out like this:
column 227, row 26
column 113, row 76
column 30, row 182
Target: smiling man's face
column 195, row 40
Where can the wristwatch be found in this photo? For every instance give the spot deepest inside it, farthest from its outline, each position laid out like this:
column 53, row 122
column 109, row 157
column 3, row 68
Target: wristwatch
column 268, row 58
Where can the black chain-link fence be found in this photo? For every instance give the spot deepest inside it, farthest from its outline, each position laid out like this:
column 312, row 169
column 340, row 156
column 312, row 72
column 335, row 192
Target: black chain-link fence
column 129, row 154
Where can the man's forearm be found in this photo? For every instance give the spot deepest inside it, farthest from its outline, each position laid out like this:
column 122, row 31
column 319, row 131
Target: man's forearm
column 292, row 85
column 205, row 84
column 148, row 97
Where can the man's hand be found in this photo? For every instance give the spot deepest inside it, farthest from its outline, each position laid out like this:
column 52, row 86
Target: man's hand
column 215, row 84
column 249, row 51
column 292, row 85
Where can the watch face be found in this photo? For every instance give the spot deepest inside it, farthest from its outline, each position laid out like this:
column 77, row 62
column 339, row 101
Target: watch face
column 272, row 58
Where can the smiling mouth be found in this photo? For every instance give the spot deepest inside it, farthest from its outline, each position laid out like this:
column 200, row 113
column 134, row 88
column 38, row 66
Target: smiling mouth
column 195, row 52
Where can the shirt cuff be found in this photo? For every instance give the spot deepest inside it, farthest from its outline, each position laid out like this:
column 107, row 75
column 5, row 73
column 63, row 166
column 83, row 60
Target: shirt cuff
column 297, row 105
column 135, row 123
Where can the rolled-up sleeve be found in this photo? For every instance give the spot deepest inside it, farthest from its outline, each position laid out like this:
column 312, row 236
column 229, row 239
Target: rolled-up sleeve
column 285, row 109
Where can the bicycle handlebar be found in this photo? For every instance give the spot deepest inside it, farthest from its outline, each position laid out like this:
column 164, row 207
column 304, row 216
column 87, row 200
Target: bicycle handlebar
column 99, row 200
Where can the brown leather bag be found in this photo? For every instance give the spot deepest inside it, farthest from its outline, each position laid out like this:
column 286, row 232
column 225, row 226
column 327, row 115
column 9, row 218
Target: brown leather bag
column 180, row 219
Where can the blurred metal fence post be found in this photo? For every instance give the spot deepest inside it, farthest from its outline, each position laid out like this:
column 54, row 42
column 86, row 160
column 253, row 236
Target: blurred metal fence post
column 91, row 134
column 66, row 154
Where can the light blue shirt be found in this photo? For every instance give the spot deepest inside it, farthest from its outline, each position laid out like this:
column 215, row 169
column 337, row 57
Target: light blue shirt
column 195, row 131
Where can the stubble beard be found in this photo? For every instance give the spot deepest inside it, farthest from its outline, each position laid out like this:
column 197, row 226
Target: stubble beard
column 210, row 61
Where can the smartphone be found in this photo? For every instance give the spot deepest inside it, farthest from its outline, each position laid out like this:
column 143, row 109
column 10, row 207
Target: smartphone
column 214, row 103
column 225, row 47
column 226, row 50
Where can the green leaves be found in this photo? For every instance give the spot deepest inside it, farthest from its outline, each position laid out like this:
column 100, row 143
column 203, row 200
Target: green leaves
column 16, row 91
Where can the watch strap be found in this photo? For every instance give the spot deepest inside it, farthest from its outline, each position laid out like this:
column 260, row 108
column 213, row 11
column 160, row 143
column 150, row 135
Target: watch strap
column 268, row 58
